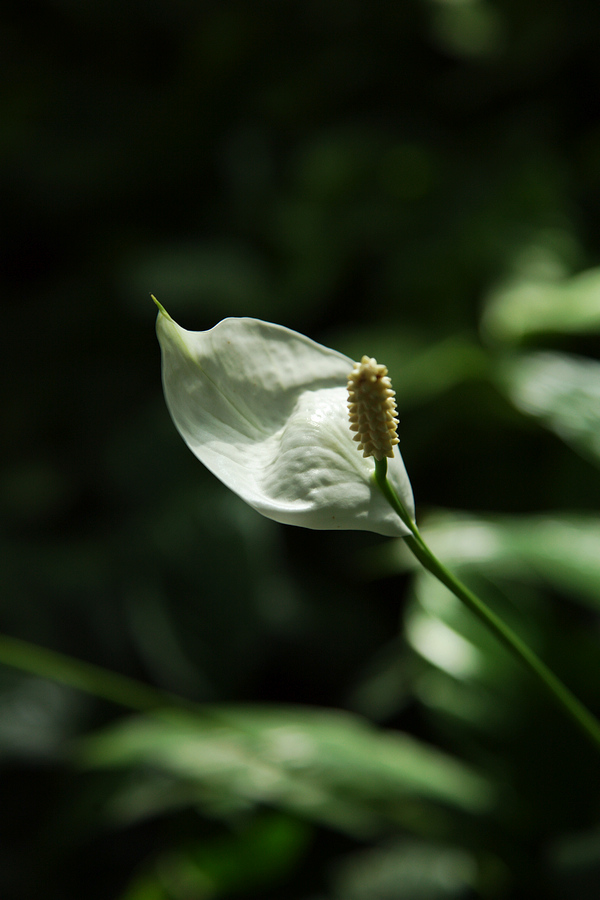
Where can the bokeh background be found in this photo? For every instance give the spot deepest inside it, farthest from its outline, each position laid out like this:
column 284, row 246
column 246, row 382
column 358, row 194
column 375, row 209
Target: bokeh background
column 418, row 180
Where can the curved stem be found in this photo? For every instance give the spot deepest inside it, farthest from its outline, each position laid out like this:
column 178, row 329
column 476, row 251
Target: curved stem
column 554, row 686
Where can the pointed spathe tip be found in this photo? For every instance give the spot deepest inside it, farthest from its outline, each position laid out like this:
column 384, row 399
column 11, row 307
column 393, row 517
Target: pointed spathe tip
column 161, row 310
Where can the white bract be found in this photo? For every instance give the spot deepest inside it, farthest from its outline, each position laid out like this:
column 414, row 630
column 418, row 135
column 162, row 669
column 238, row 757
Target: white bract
column 265, row 409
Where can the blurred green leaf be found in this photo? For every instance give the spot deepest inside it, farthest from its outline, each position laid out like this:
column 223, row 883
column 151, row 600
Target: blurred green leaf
column 575, row 861
column 248, row 858
column 36, row 716
column 407, row 870
column 466, row 674
column 563, row 392
column 562, row 551
column 512, row 562
column 324, row 765
column 471, row 29
column 536, row 306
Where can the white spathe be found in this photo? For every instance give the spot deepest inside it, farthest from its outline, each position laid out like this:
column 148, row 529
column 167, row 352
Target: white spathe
column 265, row 409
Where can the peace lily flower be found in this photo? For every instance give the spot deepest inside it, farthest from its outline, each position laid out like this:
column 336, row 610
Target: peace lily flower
column 266, row 410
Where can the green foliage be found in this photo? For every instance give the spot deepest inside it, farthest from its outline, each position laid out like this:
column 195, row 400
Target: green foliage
column 326, row 766
column 533, row 306
column 561, row 390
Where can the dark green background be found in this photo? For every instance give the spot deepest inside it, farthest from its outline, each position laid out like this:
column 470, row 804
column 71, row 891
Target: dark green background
column 379, row 176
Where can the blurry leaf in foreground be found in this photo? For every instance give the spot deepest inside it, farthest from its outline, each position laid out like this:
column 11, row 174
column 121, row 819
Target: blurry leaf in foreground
column 247, row 858
column 468, row 29
column 532, row 306
column 326, row 766
column 407, row 870
column 468, row 676
column 575, row 863
column 36, row 716
column 514, row 559
column 563, row 392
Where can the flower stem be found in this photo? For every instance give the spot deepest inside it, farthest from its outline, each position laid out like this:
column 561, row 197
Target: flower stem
column 554, row 686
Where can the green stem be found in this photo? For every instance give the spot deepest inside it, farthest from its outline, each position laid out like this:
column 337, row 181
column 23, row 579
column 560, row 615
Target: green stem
column 558, row 691
column 86, row 677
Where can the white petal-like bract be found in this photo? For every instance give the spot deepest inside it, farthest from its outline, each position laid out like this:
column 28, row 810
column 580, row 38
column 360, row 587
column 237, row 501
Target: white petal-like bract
column 265, row 409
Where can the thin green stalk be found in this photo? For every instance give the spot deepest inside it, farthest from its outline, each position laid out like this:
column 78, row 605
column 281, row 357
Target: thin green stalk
column 86, row 677
column 558, row 691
